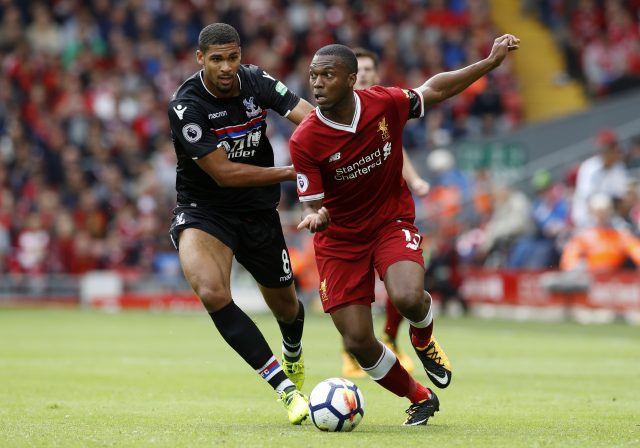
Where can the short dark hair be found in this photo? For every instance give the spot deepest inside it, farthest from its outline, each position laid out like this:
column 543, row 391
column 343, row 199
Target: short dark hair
column 364, row 53
column 342, row 52
column 217, row 34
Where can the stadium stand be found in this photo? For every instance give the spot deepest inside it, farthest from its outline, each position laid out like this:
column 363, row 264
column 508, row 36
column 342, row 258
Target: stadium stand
column 87, row 167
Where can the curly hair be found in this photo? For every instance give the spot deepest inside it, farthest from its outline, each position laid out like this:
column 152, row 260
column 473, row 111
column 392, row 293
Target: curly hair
column 217, row 34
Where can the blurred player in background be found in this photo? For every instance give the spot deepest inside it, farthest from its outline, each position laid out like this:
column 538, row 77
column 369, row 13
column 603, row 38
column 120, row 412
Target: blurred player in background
column 603, row 172
column 368, row 76
column 348, row 158
column 228, row 190
column 603, row 246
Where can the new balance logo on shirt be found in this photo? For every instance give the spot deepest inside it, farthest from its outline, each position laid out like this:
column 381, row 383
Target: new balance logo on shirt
column 387, row 150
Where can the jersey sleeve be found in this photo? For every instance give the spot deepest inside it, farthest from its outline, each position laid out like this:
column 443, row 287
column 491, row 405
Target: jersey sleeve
column 409, row 102
column 308, row 177
column 273, row 94
column 189, row 126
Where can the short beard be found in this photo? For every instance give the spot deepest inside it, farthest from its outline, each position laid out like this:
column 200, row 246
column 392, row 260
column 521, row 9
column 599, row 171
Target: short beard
column 225, row 89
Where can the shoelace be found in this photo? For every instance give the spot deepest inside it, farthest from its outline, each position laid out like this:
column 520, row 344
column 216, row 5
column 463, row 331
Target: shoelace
column 288, row 397
column 412, row 409
column 432, row 353
column 293, row 367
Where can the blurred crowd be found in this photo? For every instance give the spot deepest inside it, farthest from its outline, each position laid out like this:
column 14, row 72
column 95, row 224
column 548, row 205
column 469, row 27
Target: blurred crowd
column 600, row 39
column 493, row 224
column 87, row 167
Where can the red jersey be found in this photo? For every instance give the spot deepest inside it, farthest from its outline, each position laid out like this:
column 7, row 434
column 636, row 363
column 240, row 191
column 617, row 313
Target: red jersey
column 356, row 169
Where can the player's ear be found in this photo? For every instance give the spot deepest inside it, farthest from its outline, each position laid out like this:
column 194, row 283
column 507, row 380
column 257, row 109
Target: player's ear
column 351, row 79
column 200, row 57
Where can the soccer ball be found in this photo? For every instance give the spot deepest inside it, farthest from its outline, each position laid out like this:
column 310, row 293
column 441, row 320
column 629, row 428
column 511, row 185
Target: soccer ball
column 336, row 404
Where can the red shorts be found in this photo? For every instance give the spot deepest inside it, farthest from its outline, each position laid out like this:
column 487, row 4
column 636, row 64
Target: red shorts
column 347, row 269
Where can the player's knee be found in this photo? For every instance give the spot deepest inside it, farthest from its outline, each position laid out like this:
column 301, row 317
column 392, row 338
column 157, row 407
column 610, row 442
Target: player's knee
column 213, row 298
column 408, row 300
column 359, row 343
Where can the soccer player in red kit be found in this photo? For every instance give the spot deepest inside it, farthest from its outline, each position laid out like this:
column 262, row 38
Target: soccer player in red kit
column 368, row 76
column 348, row 159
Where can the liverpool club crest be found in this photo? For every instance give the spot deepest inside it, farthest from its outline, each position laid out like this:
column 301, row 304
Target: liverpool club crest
column 383, row 128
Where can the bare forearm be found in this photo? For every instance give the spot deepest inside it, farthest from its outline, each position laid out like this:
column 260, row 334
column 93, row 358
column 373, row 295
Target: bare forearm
column 416, row 184
column 447, row 84
column 300, row 111
column 408, row 170
column 243, row 175
column 236, row 174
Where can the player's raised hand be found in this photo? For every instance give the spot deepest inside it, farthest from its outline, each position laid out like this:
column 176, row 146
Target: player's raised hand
column 316, row 222
column 503, row 45
column 420, row 187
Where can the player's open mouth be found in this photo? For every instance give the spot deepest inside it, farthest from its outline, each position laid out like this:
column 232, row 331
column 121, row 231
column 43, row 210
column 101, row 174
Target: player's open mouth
column 226, row 81
column 320, row 99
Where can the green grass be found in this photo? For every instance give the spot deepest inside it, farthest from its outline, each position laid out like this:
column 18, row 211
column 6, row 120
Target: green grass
column 72, row 378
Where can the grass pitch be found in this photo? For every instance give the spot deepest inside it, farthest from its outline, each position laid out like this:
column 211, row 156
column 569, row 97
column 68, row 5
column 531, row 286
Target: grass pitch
column 74, row 378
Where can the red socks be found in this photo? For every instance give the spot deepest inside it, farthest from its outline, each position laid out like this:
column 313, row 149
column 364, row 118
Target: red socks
column 393, row 319
column 398, row 381
column 420, row 337
column 420, row 393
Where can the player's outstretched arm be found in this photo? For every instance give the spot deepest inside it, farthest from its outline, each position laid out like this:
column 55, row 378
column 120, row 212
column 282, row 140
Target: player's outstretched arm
column 415, row 183
column 301, row 110
column 315, row 217
column 445, row 85
column 232, row 174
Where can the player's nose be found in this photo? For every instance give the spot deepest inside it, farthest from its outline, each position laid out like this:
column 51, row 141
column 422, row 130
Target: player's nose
column 317, row 82
column 225, row 66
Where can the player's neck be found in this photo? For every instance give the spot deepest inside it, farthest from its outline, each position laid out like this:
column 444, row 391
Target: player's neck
column 343, row 111
column 235, row 89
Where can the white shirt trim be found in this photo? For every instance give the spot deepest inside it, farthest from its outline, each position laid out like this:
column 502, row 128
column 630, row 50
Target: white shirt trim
column 343, row 127
column 313, row 197
column 205, row 86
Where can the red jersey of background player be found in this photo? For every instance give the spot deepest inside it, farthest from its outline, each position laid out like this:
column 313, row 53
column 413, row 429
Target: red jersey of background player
column 363, row 160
